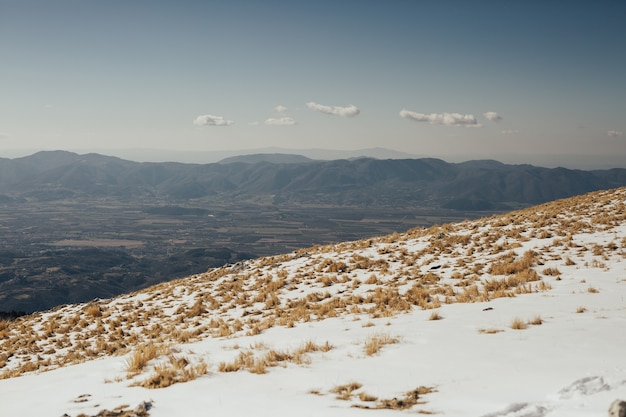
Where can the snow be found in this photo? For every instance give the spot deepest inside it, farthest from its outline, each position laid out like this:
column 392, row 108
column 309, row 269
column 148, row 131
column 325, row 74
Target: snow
column 572, row 364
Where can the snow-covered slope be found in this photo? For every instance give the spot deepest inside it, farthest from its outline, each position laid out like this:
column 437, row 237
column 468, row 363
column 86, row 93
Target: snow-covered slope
column 516, row 315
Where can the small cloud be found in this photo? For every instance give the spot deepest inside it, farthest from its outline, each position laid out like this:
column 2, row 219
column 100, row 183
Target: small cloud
column 280, row 109
column 210, row 120
column 281, row 121
column 509, row 132
column 614, row 133
column 493, row 116
column 442, row 119
column 348, row 111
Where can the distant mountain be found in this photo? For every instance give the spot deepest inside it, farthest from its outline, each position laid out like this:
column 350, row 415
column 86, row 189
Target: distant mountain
column 274, row 158
column 473, row 185
column 206, row 157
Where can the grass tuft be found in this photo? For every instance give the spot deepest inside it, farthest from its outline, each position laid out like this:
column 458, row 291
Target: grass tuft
column 375, row 343
column 435, row 316
column 518, row 324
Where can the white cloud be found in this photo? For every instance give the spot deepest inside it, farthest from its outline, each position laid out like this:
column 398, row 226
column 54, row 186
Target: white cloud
column 509, row 132
column 348, row 111
column 282, row 121
column 614, row 133
column 443, row 119
column 210, row 120
column 493, row 116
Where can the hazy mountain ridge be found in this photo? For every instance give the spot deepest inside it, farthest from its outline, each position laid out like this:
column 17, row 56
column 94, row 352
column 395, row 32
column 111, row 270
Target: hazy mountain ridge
column 572, row 249
column 274, row 158
column 424, row 182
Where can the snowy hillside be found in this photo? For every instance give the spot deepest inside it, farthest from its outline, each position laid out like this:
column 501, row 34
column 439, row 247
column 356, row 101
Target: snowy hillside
column 516, row 315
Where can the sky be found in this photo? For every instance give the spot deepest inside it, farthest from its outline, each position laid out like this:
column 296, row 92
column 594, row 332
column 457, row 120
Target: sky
column 446, row 78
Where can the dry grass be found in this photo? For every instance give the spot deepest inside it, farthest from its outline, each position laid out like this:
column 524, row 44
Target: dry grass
column 489, row 331
column 177, row 369
column 391, row 279
column 122, row 411
column 141, row 356
column 551, row 272
column 581, row 310
column 569, row 262
column 375, row 343
column 518, row 324
column 347, row 392
column 268, row 358
column 344, row 392
column 405, row 402
column 365, row 397
column 93, row 310
column 435, row 316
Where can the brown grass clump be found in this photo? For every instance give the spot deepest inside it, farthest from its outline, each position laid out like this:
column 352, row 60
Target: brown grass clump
column 410, row 399
column 177, row 369
column 405, row 402
column 375, row 343
column 593, row 290
column 93, row 310
column 197, row 309
column 142, row 355
column 4, row 329
column 367, row 397
column 489, row 331
column 551, row 272
column 509, row 266
column 435, row 316
column 344, row 392
column 581, row 310
column 518, row 324
column 536, row 321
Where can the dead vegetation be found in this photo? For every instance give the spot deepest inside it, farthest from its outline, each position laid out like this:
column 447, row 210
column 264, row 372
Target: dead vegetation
column 374, row 278
column 176, row 369
column 142, row 410
column 348, row 392
column 257, row 359
column 375, row 343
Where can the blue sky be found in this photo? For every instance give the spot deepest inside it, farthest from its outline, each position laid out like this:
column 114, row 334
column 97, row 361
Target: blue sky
column 438, row 78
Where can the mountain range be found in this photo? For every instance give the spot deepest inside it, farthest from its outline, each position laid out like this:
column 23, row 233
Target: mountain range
column 471, row 185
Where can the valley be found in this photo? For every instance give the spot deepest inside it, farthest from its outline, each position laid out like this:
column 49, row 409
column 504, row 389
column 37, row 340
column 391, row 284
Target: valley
column 71, row 250
column 78, row 227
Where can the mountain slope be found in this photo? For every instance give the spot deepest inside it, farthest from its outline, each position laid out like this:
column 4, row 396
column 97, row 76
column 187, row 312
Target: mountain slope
column 512, row 315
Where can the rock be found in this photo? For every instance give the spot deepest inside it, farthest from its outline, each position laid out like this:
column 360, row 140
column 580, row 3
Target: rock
column 617, row 409
column 143, row 407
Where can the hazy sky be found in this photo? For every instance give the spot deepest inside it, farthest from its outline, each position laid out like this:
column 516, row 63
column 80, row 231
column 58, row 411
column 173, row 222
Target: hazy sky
column 425, row 77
